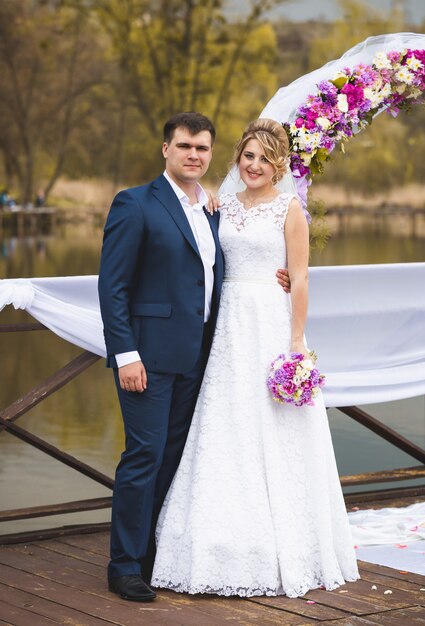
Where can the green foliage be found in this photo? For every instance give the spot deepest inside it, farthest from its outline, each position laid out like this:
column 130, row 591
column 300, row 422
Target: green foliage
column 319, row 230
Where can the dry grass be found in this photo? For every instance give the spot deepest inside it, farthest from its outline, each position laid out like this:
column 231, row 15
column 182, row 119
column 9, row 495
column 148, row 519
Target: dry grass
column 96, row 195
column 83, row 195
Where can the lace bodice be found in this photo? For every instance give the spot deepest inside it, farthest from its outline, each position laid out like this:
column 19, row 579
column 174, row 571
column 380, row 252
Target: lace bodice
column 253, row 239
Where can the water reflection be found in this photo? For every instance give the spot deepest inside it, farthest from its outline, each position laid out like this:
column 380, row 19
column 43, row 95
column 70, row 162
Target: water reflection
column 83, row 417
column 71, row 250
column 367, row 247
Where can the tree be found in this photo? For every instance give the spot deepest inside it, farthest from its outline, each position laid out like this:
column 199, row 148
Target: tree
column 177, row 55
column 358, row 22
column 48, row 66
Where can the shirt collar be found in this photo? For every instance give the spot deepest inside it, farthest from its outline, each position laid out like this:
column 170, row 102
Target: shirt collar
column 181, row 195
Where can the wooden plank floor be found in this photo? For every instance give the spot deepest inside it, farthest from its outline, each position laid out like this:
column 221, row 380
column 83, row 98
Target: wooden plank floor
column 62, row 581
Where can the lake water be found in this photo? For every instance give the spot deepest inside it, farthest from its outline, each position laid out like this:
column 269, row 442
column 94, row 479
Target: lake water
column 83, row 418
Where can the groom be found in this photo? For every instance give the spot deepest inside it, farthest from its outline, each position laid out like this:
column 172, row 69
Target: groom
column 159, row 287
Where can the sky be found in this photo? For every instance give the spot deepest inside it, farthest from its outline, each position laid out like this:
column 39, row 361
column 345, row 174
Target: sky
column 301, row 10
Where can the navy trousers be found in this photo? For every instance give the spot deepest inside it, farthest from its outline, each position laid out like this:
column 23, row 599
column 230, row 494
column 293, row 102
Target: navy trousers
column 156, row 423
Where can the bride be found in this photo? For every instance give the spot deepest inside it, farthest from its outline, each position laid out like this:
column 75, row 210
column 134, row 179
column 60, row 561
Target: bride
column 256, row 505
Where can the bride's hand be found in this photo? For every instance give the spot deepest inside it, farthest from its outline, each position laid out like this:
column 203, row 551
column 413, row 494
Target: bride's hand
column 299, row 346
column 213, row 202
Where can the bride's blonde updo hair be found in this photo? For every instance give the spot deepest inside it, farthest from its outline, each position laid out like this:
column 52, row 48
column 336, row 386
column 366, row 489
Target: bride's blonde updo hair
column 274, row 141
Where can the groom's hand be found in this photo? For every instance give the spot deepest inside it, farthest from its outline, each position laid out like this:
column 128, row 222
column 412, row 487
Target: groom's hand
column 283, row 279
column 133, row 377
column 213, row 202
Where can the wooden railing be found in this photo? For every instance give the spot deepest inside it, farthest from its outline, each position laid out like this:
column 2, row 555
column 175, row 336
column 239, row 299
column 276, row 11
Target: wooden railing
column 40, row 392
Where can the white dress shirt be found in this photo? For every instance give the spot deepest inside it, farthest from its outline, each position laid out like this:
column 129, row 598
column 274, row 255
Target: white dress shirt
column 201, row 230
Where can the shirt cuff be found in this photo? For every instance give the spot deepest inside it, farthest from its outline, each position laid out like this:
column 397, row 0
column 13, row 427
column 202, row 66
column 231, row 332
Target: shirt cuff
column 125, row 358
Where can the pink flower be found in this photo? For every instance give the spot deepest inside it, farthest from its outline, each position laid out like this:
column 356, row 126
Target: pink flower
column 355, row 95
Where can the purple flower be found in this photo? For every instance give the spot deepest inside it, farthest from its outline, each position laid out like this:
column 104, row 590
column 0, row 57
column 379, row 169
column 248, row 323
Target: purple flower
column 285, row 387
column 395, row 57
column 298, row 168
column 328, row 91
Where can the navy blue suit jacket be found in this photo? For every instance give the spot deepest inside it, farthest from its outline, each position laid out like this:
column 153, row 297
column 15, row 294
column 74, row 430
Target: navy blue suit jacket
column 151, row 279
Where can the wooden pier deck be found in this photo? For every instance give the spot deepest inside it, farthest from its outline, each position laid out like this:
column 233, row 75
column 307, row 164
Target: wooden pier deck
column 62, row 581
column 59, row 576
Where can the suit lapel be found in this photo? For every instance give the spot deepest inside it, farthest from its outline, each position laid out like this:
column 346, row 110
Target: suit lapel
column 166, row 196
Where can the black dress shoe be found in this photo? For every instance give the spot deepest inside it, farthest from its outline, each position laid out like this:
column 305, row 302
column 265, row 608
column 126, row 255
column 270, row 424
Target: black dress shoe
column 131, row 588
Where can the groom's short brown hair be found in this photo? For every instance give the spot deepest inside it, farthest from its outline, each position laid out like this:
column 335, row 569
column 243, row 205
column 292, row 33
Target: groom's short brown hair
column 192, row 121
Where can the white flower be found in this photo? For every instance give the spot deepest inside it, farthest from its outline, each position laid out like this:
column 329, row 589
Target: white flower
column 303, row 138
column 404, row 76
column 339, row 74
column 401, row 88
column 376, row 97
column 293, row 129
column 368, row 93
column 373, row 96
column 296, row 380
column 386, row 90
column 305, row 375
column 342, row 103
column 315, row 139
column 306, row 157
column 378, row 83
column 413, row 64
column 323, row 122
column 381, row 61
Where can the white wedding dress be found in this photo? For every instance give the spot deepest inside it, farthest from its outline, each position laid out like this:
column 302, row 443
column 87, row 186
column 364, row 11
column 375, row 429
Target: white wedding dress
column 256, row 505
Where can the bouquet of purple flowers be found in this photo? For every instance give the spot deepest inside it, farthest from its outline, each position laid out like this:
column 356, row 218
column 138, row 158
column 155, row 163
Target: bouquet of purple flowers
column 295, row 380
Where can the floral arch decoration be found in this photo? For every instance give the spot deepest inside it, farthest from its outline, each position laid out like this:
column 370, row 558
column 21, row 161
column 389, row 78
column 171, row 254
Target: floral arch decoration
column 326, row 107
column 345, row 104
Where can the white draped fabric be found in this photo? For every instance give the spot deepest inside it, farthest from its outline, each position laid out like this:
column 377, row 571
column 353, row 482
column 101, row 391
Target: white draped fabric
column 68, row 305
column 366, row 322
column 391, row 537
